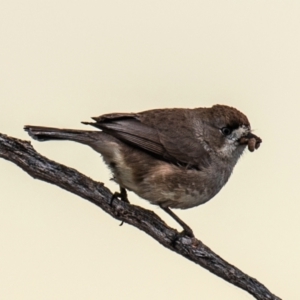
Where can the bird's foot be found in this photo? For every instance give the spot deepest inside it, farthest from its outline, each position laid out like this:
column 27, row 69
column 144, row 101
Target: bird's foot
column 187, row 231
column 184, row 233
column 122, row 195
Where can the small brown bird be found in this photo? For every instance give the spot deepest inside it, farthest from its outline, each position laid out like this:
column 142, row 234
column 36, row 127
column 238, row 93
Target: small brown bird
column 174, row 158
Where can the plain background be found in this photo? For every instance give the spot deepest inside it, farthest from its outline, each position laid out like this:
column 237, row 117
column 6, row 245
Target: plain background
column 62, row 62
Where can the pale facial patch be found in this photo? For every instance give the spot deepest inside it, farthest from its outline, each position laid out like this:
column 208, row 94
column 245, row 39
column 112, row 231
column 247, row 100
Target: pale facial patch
column 231, row 141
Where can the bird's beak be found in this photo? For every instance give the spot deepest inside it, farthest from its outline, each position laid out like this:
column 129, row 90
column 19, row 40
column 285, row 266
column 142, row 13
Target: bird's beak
column 251, row 140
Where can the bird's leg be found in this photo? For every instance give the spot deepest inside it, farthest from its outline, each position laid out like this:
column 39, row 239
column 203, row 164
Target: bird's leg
column 122, row 195
column 186, row 229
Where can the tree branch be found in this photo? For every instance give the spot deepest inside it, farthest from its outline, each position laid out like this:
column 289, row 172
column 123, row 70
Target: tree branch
column 23, row 154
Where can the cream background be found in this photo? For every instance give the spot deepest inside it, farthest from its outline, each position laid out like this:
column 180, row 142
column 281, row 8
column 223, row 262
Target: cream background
column 64, row 61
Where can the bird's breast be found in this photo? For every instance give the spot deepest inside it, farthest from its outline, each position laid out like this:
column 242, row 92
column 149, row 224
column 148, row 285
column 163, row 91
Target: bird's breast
column 171, row 186
column 160, row 182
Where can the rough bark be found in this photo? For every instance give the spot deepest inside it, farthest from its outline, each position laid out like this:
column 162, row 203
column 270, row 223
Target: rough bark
column 23, row 154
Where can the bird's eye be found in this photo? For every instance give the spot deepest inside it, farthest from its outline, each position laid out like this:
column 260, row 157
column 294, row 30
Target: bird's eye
column 226, row 131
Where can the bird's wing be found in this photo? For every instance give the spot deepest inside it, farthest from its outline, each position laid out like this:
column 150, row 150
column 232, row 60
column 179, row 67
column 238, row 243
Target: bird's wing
column 159, row 134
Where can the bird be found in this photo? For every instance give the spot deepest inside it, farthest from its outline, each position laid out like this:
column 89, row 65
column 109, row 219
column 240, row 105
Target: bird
column 176, row 158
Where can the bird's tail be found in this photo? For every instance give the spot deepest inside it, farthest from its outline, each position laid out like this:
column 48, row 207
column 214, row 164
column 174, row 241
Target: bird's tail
column 40, row 133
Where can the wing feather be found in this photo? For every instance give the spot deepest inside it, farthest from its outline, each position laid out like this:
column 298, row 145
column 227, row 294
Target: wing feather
column 150, row 131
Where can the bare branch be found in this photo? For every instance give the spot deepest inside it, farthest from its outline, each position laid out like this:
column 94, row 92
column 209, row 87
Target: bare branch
column 23, row 154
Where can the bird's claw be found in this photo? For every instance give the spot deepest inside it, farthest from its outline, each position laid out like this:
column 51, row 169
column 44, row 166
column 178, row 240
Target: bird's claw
column 122, row 195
